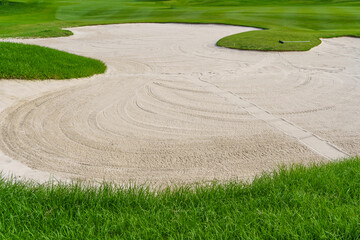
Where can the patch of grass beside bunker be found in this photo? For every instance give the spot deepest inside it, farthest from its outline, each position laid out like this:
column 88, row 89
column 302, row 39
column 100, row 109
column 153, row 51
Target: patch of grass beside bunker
column 22, row 61
column 317, row 202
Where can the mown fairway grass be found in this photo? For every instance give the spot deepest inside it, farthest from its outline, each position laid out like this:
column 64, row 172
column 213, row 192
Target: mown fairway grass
column 20, row 61
column 320, row 202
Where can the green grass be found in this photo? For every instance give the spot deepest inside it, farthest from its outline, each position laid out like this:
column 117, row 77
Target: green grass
column 319, row 202
column 20, row 61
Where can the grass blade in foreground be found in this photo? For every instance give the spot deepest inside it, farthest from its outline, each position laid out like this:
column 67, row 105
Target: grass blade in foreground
column 320, row 202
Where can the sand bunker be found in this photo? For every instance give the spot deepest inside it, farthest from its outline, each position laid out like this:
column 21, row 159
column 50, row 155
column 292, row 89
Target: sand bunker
column 175, row 108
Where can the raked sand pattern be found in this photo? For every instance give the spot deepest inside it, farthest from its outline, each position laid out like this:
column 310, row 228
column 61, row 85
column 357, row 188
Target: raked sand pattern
column 174, row 108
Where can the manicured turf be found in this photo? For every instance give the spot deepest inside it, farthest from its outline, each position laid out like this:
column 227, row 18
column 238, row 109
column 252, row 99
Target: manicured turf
column 321, row 202
column 20, row 61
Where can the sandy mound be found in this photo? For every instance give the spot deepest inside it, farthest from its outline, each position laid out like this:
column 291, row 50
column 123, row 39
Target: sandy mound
column 173, row 107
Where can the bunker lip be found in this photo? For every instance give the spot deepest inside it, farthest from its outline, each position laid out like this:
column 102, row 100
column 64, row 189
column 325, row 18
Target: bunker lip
column 174, row 108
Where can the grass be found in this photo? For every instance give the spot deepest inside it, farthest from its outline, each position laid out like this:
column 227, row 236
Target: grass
column 20, row 61
column 319, row 202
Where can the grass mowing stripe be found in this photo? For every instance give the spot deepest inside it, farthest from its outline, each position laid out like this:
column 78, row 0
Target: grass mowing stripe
column 306, row 14
column 322, row 201
column 192, row 13
column 139, row 13
column 344, row 15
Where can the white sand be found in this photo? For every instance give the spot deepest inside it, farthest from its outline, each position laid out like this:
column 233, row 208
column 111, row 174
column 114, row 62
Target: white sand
column 174, row 108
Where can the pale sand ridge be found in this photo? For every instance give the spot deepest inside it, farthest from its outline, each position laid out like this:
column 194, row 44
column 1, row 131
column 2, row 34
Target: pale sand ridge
column 173, row 107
